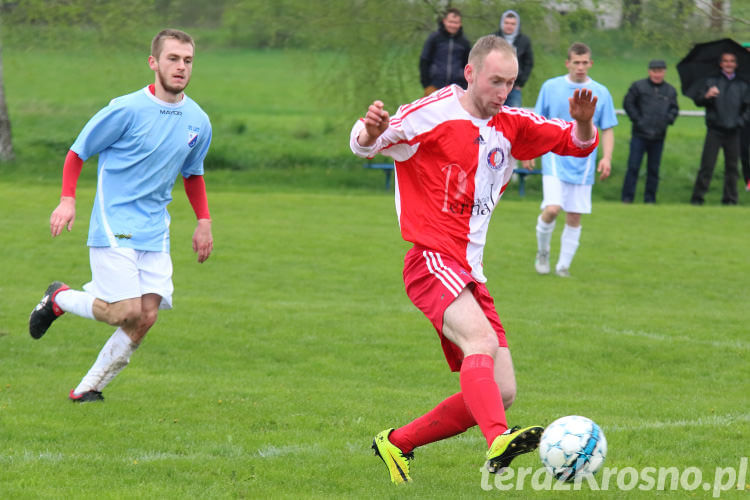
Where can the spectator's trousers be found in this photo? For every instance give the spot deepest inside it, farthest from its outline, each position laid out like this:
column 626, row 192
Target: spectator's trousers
column 638, row 147
column 729, row 142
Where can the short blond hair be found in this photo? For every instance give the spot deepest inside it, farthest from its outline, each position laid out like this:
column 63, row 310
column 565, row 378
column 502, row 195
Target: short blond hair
column 485, row 45
column 157, row 44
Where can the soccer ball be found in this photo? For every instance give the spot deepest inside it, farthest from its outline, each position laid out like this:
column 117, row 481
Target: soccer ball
column 571, row 447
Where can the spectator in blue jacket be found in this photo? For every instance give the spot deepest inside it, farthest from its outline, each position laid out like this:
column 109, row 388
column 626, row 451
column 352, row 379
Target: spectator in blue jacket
column 445, row 54
column 651, row 105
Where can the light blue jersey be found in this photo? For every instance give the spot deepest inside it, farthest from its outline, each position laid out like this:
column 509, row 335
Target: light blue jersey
column 553, row 103
column 143, row 144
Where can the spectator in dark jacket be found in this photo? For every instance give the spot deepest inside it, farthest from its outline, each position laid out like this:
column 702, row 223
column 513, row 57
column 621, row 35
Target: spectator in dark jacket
column 510, row 29
column 726, row 98
column 651, row 105
column 745, row 145
column 745, row 154
column 445, row 54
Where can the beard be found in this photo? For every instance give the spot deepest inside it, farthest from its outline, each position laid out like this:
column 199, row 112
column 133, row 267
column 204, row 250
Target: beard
column 163, row 79
column 486, row 109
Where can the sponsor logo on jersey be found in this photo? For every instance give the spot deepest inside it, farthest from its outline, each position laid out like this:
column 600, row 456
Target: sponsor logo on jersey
column 479, row 207
column 495, row 158
column 170, row 112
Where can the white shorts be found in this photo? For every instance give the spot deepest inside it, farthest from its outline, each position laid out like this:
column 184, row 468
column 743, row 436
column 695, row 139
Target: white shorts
column 123, row 273
column 573, row 198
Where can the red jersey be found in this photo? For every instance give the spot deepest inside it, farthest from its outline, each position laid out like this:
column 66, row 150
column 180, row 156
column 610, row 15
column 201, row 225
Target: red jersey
column 452, row 168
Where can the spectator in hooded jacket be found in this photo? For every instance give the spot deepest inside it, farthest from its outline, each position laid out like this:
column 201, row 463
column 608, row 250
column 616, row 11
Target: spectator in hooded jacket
column 445, row 54
column 510, row 29
column 651, row 105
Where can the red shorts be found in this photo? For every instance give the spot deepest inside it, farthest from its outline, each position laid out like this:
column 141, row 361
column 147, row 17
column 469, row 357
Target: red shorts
column 433, row 281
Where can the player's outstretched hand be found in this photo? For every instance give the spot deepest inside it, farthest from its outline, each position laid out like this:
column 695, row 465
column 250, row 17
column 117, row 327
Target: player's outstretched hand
column 376, row 122
column 62, row 216
column 203, row 241
column 582, row 105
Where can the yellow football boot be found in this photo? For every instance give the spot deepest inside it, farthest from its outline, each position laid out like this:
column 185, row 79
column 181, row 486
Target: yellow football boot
column 395, row 460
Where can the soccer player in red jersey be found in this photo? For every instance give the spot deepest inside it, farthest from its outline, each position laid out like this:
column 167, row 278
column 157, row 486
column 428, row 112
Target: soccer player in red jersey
column 452, row 151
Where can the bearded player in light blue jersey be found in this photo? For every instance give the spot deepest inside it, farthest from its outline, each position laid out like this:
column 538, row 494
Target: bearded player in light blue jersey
column 144, row 140
column 567, row 181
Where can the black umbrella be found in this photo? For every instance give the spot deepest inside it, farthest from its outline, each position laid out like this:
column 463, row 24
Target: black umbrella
column 703, row 61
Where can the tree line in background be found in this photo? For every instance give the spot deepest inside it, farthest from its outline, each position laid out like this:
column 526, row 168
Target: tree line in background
column 331, row 23
column 365, row 44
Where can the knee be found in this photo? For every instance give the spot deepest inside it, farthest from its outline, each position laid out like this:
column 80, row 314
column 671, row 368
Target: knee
column 147, row 319
column 120, row 314
column 482, row 344
column 550, row 213
column 139, row 330
column 573, row 220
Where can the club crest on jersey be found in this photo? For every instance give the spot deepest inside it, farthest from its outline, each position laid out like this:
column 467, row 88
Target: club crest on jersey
column 192, row 138
column 495, row 158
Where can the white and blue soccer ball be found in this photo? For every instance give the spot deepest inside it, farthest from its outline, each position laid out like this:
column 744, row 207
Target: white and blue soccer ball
column 571, row 447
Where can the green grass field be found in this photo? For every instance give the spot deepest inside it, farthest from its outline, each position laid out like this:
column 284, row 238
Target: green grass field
column 295, row 343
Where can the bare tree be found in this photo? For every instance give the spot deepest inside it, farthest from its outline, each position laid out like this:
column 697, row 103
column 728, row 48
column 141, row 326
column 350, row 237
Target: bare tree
column 6, row 144
column 632, row 10
column 717, row 17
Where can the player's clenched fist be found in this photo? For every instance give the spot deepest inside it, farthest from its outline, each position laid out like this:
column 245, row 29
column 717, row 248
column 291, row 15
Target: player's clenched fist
column 376, row 122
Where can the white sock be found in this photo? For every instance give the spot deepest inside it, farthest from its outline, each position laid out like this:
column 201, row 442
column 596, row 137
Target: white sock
column 76, row 302
column 114, row 356
column 568, row 245
column 544, row 234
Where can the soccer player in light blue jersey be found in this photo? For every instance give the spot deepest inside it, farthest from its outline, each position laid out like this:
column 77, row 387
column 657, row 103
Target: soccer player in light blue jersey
column 144, row 140
column 567, row 180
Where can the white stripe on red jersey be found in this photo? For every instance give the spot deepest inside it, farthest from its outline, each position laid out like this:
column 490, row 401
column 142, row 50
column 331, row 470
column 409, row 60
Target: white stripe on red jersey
column 448, row 276
column 452, row 168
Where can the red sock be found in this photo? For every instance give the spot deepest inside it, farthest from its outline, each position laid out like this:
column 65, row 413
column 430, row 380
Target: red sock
column 447, row 419
column 482, row 396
